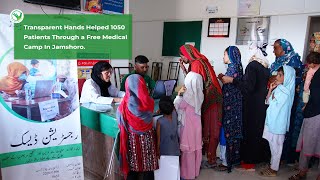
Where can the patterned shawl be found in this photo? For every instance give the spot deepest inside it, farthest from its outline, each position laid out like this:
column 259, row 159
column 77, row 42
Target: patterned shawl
column 290, row 58
column 134, row 114
column 235, row 69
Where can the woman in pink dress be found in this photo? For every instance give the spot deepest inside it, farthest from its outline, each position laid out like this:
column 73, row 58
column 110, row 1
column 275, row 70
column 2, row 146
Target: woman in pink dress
column 188, row 107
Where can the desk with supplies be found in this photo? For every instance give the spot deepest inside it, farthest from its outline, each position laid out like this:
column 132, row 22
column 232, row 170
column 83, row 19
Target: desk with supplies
column 31, row 107
column 99, row 130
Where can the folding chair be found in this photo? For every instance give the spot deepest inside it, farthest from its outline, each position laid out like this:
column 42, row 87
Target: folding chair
column 173, row 71
column 156, row 71
column 119, row 73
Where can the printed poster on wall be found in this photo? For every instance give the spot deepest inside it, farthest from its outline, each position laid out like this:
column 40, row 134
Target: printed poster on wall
column 113, row 6
column 249, row 7
column 252, row 29
column 40, row 136
column 104, row 6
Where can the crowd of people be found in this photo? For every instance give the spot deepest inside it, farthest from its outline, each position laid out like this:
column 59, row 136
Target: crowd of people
column 265, row 114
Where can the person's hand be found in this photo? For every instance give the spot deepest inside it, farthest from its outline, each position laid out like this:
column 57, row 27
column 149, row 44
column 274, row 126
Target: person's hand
column 181, row 62
column 182, row 90
column 158, row 111
column 183, row 68
column 226, row 79
column 117, row 100
column 273, row 85
column 272, row 79
column 220, row 76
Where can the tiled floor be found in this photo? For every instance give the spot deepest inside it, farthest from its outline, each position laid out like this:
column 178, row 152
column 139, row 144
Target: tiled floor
column 284, row 173
column 210, row 174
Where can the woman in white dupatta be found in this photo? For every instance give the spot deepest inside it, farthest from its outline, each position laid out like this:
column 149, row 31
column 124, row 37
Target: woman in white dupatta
column 188, row 107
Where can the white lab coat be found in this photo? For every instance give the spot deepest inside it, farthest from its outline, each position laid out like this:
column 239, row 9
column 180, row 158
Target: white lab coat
column 91, row 93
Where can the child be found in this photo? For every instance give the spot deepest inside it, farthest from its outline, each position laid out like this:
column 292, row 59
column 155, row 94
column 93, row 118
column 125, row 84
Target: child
column 280, row 99
column 232, row 111
column 34, row 71
column 313, row 65
column 167, row 141
column 188, row 107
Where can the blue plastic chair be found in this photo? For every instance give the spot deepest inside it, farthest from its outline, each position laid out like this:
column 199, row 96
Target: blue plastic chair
column 169, row 86
column 159, row 90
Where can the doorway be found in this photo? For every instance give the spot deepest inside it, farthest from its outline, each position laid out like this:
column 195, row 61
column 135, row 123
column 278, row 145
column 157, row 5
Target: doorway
column 314, row 26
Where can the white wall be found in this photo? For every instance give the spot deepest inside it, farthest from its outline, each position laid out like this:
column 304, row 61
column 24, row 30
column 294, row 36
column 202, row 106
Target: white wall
column 289, row 20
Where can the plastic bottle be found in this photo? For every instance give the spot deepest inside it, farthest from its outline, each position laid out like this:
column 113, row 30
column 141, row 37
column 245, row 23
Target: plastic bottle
column 57, row 89
column 27, row 91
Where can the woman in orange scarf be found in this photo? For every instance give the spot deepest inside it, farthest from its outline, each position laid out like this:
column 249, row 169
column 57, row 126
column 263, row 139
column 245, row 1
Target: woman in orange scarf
column 211, row 111
column 16, row 78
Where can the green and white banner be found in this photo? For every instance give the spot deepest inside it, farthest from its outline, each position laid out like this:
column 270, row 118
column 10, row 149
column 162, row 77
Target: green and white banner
column 40, row 136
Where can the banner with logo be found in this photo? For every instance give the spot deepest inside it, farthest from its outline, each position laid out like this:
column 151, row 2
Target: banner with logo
column 40, row 136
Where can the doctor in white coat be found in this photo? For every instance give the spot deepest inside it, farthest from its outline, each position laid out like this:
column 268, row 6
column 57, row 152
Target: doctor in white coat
column 99, row 89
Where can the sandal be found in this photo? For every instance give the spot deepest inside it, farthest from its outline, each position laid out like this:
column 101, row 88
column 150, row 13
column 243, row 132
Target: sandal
column 268, row 173
column 221, row 168
column 264, row 167
column 207, row 165
column 297, row 177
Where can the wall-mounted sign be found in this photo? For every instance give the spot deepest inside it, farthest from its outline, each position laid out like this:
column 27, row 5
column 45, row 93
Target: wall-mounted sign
column 249, row 7
column 252, row 29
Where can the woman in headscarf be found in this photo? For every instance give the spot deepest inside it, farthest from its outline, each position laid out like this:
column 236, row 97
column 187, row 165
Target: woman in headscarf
column 309, row 140
column 285, row 55
column 253, row 86
column 212, row 105
column 188, row 107
column 232, row 108
column 315, row 42
column 137, row 136
column 99, row 89
column 16, row 78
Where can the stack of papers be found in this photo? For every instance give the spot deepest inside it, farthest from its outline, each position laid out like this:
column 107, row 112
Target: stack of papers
column 98, row 107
